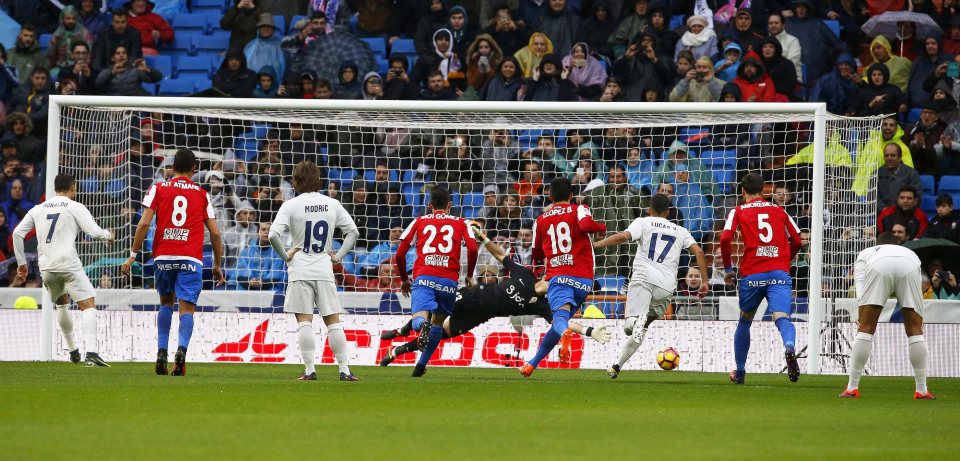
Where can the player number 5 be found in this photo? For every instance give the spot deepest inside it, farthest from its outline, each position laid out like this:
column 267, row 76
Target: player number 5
column 766, row 232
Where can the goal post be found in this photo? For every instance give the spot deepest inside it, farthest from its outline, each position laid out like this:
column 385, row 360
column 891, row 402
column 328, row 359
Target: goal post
column 83, row 124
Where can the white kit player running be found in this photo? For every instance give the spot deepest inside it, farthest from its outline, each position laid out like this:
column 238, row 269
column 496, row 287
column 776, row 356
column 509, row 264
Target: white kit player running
column 880, row 272
column 311, row 218
column 58, row 221
column 654, row 277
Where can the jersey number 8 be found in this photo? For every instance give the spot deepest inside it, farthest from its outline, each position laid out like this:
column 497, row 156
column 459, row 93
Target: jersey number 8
column 446, row 235
column 179, row 215
column 560, row 237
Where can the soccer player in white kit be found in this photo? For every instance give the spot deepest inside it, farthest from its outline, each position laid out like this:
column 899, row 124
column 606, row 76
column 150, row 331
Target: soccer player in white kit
column 879, row 272
column 311, row 218
column 654, row 276
column 58, row 220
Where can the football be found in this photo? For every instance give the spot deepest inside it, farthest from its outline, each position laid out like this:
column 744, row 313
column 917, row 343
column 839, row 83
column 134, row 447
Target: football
column 668, row 359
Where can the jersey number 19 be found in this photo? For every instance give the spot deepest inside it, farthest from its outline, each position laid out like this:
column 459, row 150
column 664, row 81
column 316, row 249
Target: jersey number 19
column 318, row 231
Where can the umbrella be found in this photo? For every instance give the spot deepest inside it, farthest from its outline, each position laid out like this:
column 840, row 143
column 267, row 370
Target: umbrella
column 886, row 24
column 326, row 53
column 928, row 249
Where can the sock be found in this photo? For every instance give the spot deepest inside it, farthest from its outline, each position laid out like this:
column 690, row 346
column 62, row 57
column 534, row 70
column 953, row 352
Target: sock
column 88, row 325
column 417, row 322
column 788, row 332
column 185, row 331
column 308, row 345
column 406, row 328
column 338, row 344
column 164, row 318
column 436, row 334
column 561, row 319
column 741, row 344
column 629, row 325
column 862, row 344
column 630, row 346
column 917, row 347
column 66, row 325
column 405, row 348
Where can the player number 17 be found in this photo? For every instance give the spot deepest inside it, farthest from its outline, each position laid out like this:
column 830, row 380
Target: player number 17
column 653, row 246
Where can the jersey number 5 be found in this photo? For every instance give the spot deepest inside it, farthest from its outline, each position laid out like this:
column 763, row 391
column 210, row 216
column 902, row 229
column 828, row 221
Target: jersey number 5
column 766, row 231
column 446, row 242
column 560, row 237
column 318, row 231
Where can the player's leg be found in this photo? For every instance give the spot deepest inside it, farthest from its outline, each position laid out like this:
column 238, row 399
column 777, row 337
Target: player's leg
column 165, row 280
column 188, row 283
column 779, row 299
column 917, row 350
column 54, row 284
column 307, row 342
column 412, row 346
column 862, row 344
column 398, row 332
column 639, row 299
column 564, row 298
column 79, row 287
column 750, row 298
column 328, row 305
column 435, row 334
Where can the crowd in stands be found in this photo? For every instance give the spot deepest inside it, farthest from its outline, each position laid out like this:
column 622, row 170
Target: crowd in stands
column 515, row 50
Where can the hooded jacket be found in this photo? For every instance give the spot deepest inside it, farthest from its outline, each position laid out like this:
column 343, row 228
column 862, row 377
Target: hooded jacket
column 818, row 43
column 838, row 92
column 147, row 22
column 500, row 88
column 480, row 69
column 730, row 72
column 698, row 174
column 363, row 89
column 242, row 24
column 258, row 92
column 760, row 87
column 899, row 68
column 595, row 33
column 528, row 58
column 262, row 52
column 426, row 26
column 29, row 148
column 892, row 100
column 236, row 84
column 779, row 68
column 870, row 158
column 920, row 69
column 639, row 72
column 590, row 78
column 97, row 20
column 60, row 49
column 25, row 59
column 348, row 90
column 628, row 28
column 666, row 38
column 550, row 87
column 563, row 28
column 733, row 89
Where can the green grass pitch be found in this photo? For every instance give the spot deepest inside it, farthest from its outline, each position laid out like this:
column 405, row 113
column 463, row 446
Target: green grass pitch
column 237, row 411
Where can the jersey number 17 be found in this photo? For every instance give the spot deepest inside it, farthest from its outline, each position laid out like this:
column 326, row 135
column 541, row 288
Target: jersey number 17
column 653, row 246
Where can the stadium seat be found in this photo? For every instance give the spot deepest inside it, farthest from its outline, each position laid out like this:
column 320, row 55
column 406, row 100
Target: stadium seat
column 913, row 116
column 202, row 84
column 207, row 5
column 928, row 186
column 150, row 88
column 162, row 63
column 949, row 184
column 413, row 195
column 677, row 22
column 403, row 46
column 694, row 135
column 470, row 203
column 410, row 176
column 611, row 284
column 342, row 176
column 723, row 165
column 176, row 87
column 929, row 205
column 383, row 66
column 377, row 45
column 528, row 138
column 194, row 66
column 45, row 40
column 833, row 25
column 216, row 43
column 190, row 22
column 182, row 43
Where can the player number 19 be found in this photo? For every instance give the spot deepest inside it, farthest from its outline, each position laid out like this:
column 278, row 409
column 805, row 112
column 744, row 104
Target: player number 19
column 560, row 237
column 766, row 231
column 179, row 211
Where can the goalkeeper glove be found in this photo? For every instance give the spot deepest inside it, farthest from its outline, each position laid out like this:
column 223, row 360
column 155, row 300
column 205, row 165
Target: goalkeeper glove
column 601, row 334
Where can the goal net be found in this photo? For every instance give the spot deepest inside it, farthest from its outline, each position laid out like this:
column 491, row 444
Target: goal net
column 381, row 159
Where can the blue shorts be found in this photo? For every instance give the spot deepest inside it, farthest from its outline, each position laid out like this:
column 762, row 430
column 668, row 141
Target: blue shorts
column 775, row 286
column 181, row 277
column 433, row 294
column 564, row 289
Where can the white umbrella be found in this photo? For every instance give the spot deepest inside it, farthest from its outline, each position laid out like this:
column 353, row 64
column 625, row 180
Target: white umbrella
column 886, row 24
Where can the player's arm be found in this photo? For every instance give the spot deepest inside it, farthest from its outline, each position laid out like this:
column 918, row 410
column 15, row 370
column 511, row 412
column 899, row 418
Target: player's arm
column 401, row 257
column 726, row 246
column 19, row 234
column 860, row 271
column 471, row 243
column 493, row 248
column 537, row 252
column 217, row 241
column 796, row 243
column 586, row 222
column 280, row 224
column 142, row 228
column 89, row 225
column 702, row 264
column 350, row 234
column 613, row 240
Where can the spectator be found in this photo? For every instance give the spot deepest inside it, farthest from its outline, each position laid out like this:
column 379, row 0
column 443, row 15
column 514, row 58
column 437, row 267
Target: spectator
column 840, row 87
column 16, row 206
column 690, row 306
column 597, row 29
column 872, row 154
column 460, row 33
column 699, row 38
column 265, row 49
column 483, row 59
column 33, row 100
column 505, row 220
column 906, row 44
column 819, row 43
column 779, row 68
column 348, row 85
column 26, row 55
column 69, row 32
column 153, row 28
column 374, row 17
column 507, row 30
column 585, row 71
column 560, row 25
column 894, row 177
column 241, row 20
column 926, row 287
column 755, row 85
column 615, row 204
column 726, row 67
column 125, row 78
column 639, row 170
column 641, row 67
column 898, row 69
column 692, row 202
column 444, row 59
column 9, row 81
column 456, row 164
column 612, row 91
column 629, row 27
column 530, row 56
column 80, row 71
column 490, row 200
column 951, row 42
column 496, row 152
column 267, row 83
column 372, row 86
column 678, row 154
column 304, row 32
column 94, row 16
column 944, row 285
column 435, row 90
column 19, row 129
column 427, row 26
column 792, row 50
column 660, row 27
column 931, row 61
column 531, row 181
column 674, row 215
column 383, row 251
column 119, row 33
column 905, row 212
column 699, row 85
column 234, row 79
column 406, row 14
column 946, row 223
column 923, row 137
column 258, row 266
column 784, row 198
column 743, row 32
column 503, row 86
column 399, row 85
column 549, row 83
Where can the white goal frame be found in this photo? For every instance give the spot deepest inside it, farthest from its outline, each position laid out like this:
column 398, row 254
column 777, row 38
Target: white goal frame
column 817, row 110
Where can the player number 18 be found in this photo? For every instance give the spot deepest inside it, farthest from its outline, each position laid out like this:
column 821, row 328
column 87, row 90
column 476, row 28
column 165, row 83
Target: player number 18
column 560, row 237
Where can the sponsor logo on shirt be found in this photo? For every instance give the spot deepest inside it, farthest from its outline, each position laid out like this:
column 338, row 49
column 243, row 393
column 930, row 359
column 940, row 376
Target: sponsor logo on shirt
column 561, row 260
column 180, row 235
column 437, row 260
column 573, row 283
column 768, row 251
column 436, row 286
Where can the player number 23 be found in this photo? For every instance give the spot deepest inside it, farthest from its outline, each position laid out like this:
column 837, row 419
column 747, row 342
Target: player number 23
column 446, row 239
column 766, row 231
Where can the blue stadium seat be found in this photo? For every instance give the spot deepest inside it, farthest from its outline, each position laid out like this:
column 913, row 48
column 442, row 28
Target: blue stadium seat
column 190, row 22
column 413, row 195
column 677, row 21
column 528, row 138
column 723, row 165
column 410, row 176
column 207, row 5
column 194, row 66
column 611, row 284
column 403, row 46
column 344, row 177
column 176, row 87
column 833, row 25
column 215, row 43
column 202, row 84
column 949, row 184
column 45, row 40
column 281, row 23
column 694, row 135
column 913, row 116
column 162, row 63
column 470, row 203
column 929, row 205
column 383, row 66
column 377, row 45
column 369, row 175
column 183, row 43
column 927, row 182
column 150, row 88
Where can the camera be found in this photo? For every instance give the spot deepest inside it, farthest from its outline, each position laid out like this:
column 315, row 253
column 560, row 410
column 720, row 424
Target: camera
column 943, row 275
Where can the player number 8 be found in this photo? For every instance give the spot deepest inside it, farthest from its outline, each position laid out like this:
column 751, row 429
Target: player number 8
column 179, row 211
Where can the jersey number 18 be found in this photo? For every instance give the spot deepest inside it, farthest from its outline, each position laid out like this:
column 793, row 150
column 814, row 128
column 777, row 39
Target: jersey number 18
column 560, row 237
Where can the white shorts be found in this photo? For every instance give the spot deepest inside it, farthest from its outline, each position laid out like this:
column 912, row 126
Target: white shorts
column 901, row 281
column 645, row 297
column 75, row 284
column 305, row 295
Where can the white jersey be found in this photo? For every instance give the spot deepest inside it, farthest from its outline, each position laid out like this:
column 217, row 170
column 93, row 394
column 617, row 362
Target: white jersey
column 57, row 221
column 311, row 219
column 659, row 243
column 892, row 259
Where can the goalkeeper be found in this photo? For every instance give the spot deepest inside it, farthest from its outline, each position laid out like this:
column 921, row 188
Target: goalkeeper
column 520, row 293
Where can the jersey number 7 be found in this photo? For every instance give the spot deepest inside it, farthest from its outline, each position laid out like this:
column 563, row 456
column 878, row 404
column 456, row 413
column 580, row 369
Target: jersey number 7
column 53, row 225
column 653, row 246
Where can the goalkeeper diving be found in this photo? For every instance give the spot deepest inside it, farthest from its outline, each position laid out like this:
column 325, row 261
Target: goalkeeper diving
column 519, row 293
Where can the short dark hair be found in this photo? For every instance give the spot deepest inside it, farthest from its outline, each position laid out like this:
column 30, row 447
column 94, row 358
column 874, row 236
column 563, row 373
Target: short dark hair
column 752, row 184
column 548, row 138
column 775, row 14
column 28, row 27
column 944, row 199
column 887, row 238
column 322, row 83
column 401, row 59
column 40, row 70
column 560, row 189
column 120, row 11
column 80, row 43
column 184, row 161
column 63, row 182
column 434, row 73
column 439, row 198
column 318, row 15
column 660, row 203
column 306, row 177
column 909, row 189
